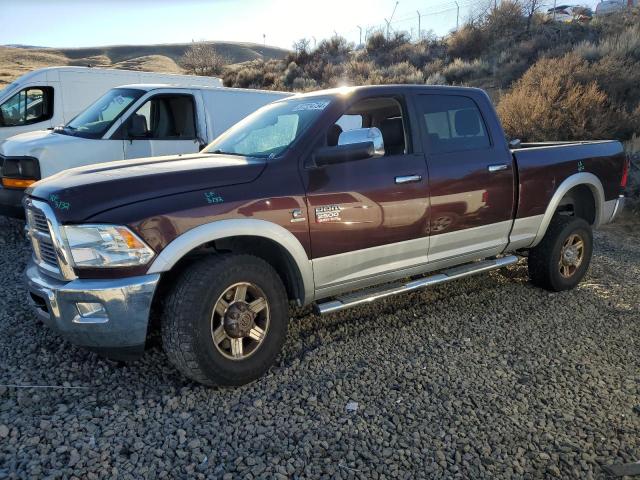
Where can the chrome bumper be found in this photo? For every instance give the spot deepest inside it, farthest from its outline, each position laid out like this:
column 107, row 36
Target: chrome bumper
column 107, row 315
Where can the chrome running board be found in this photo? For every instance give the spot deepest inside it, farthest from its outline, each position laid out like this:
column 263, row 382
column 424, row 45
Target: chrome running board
column 370, row 294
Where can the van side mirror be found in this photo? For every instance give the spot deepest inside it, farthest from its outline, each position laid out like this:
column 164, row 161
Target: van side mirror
column 137, row 127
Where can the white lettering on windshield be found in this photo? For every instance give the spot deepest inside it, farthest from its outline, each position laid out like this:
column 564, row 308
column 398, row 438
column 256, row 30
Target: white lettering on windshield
column 320, row 105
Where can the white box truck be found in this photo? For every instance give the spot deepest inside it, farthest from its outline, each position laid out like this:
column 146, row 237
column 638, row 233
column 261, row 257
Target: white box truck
column 52, row 96
column 131, row 121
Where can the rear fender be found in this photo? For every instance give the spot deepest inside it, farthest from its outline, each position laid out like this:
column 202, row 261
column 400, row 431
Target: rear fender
column 583, row 178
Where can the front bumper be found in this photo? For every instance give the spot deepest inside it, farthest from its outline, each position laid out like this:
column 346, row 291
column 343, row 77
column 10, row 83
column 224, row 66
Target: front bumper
column 118, row 327
column 11, row 202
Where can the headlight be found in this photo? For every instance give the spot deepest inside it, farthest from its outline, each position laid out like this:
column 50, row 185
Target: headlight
column 103, row 246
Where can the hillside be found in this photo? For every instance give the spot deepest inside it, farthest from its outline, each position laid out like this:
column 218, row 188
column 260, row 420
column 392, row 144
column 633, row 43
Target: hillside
column 17, row 60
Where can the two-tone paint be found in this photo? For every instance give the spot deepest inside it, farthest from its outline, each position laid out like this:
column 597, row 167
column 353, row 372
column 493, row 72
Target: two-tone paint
column 497, row 200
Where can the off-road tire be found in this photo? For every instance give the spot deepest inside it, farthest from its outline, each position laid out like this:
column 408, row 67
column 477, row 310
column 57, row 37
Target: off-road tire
column 544, row 258
column 186, row 319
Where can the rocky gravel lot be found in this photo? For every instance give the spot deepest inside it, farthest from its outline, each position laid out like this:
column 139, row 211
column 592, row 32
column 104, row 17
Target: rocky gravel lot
column 487, row 377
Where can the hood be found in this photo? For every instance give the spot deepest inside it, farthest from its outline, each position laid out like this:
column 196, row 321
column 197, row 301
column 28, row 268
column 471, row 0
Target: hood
column 30, row 144
column 80, row 193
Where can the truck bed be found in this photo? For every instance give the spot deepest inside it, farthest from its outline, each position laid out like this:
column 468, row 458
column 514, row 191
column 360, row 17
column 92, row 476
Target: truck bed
column 542, row 167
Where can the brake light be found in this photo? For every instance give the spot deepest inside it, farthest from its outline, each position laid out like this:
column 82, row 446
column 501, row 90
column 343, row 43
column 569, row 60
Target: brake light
column 17, row 182
column 625, row 174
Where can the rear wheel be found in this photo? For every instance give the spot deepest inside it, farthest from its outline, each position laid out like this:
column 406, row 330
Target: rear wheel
column 561, row 260
column 225, row 320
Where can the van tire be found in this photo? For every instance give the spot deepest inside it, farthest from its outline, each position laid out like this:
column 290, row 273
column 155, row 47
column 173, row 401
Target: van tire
column 544, row 264
column 189, row 320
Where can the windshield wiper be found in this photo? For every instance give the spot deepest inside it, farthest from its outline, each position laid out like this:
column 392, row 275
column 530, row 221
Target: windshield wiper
column 220, row 152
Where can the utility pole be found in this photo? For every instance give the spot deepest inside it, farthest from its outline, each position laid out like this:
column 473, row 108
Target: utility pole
column 264, row 39
column 391, row 17
column 419, row 31
column 554, row 10
column 315, row 42
column 360, row 28
column 457, row 15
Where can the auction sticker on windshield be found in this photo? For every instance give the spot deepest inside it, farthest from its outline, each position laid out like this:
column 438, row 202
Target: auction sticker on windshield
column 319, row 105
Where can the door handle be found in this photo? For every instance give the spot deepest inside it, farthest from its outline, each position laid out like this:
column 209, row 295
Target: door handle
column 408, row 179
column 498, row 167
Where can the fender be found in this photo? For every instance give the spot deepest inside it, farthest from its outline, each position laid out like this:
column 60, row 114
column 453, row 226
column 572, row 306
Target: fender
column 583, row 178
column 208, row 232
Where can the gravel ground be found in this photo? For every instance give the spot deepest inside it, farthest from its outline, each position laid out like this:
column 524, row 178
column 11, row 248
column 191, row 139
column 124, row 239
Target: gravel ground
column 486, row 377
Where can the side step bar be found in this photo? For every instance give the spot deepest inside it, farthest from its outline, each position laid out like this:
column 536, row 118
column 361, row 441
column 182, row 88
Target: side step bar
column 369, row 295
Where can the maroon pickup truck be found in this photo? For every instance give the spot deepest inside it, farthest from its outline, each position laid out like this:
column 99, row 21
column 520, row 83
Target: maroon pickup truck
column 336, row 198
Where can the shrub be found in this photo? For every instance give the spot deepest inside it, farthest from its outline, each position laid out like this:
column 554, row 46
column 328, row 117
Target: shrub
column 436, row 79
column 202, row 58
column 358, row 72
column 624, row 45
column 402, row 73
column 304, row 84
column 460, row 70
column 547, row 103
column 249, row 77
column 468, row 42
column 436, row 66
column 505, row 21
column 619, row 77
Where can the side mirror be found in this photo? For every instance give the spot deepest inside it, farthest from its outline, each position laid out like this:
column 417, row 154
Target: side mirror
column 360, row 135
column 343, row 153
column 515, row 144
column 137, row 127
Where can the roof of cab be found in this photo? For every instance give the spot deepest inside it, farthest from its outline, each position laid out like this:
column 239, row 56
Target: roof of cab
column 155, row 86
column 347, row 90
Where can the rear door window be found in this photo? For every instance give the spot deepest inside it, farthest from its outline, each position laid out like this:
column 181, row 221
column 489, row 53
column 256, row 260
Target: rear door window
column 452, row 123
column 28, row 106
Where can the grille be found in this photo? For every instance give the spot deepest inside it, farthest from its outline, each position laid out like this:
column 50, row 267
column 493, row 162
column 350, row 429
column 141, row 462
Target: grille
column 41, row 241
column 48, row 253
column 40, row 221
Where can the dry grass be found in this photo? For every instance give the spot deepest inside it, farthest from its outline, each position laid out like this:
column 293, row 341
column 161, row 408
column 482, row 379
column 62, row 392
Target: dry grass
column 15, row 62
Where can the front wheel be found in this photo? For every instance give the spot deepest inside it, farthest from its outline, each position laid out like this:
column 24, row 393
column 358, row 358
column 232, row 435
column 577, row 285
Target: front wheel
column 561, row 260
column 225, row 320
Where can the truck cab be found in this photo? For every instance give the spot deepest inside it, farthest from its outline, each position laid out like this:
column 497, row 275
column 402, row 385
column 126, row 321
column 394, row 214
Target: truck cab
column 336, row 198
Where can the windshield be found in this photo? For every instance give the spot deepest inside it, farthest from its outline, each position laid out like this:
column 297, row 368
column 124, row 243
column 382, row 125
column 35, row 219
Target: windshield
column 98, row 117
column 269, row 131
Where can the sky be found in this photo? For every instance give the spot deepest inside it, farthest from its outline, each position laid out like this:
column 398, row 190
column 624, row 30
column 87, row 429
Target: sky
column 83, row 23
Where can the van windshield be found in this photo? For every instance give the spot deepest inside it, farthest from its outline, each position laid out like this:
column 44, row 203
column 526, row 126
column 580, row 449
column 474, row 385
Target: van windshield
column 269, row 131
column 98, row 117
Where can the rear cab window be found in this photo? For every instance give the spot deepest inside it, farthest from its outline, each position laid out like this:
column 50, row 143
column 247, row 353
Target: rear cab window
column 452, row 123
